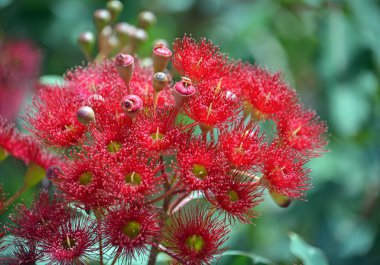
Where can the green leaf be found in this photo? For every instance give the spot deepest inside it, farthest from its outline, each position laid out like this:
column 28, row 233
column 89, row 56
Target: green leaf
column 34, row 174
column 308, row 254
column 257, row 260
column 3, row 154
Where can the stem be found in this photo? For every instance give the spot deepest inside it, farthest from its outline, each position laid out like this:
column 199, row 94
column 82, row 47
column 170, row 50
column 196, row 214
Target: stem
column 246, row 174
column 154, row 252
column 117, row 255
column 153, row 256
column 155, row 101
column 15, row 196
column 171, row 254
column 177, row 203
column 100, row 246
column 163, row 196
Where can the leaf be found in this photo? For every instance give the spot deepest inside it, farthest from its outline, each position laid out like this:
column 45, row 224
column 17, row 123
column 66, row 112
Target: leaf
column 308, row 254
column 257, row 260
column 34, row 175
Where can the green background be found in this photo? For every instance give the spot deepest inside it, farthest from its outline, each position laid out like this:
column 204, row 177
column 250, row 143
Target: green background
column 328, row 50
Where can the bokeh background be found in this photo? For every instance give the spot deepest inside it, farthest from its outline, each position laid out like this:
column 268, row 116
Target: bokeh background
column 328, row 50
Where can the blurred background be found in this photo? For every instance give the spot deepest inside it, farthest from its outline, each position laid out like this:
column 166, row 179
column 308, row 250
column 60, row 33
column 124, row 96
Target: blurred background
column 328, row 50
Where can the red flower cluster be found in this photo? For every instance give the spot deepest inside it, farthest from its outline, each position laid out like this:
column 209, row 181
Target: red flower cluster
column 139, row 146
column 19, row 66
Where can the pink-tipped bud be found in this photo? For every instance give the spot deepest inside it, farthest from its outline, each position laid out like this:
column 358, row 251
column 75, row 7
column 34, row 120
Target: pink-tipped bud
column 160, row 81
column 146, row 19
column 124, row 64
column 183, row 90
column 102, row 18
column 132, row 105
column 161, row 57
column 85, row 115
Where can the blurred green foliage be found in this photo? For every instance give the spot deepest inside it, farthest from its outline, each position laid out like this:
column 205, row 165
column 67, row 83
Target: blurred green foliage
column 328, row 50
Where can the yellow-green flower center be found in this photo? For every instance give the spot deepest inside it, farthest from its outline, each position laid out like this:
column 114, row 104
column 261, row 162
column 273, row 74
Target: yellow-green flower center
column 113, row 146
column 133, row 178
column 85, row 178
column 68, row 242
column 199, row 171
column 195, row 243
column 132, row 229
column 233, row 195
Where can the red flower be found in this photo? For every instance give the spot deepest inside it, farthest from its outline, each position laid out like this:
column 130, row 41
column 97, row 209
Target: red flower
column 19, row 66
column 157, row 132
column 210, row 107
column 195, row 236
column 82, row 180
column 200, row 165
column 134, row 177
column 199, row 61
column 266, row 93
column 130, row 228
column 283, row 171
column 53, row 118
column 21, row 252
column 302, row 130
column 242, row 146
column 237, row 198
column 23, row 147
column 43, row 214
column 73, row 241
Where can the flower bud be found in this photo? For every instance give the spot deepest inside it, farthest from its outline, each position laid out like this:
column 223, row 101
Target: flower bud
column 124, row 31
column 146, row 19
column 131, row 105
column 86, row 42
column 161, row 57
column 160, row 81
column 183, row 90
column 161, row 43
column 137, row 39
column 281, row 200
column 102, row 18
column 85, row 115
column 124, row 64
column 114, row 7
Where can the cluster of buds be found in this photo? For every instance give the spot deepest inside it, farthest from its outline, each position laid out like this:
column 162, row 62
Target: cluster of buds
column 151, row 165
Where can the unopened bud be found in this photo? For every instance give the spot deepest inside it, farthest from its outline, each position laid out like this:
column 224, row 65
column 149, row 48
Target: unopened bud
column 114, row 7
column 146, row 19
column 124, row 64
column 132, row 104
column 161, row 57
column 102, row 18
column 138, row 38
column 124, row 31
column 85, row 115
column 86, row 42
column 160, row 81
column 161, row 43
column 281, row 200
column 183, row 90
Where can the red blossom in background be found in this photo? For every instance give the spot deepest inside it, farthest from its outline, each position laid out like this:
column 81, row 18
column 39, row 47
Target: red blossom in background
column 19, row 67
